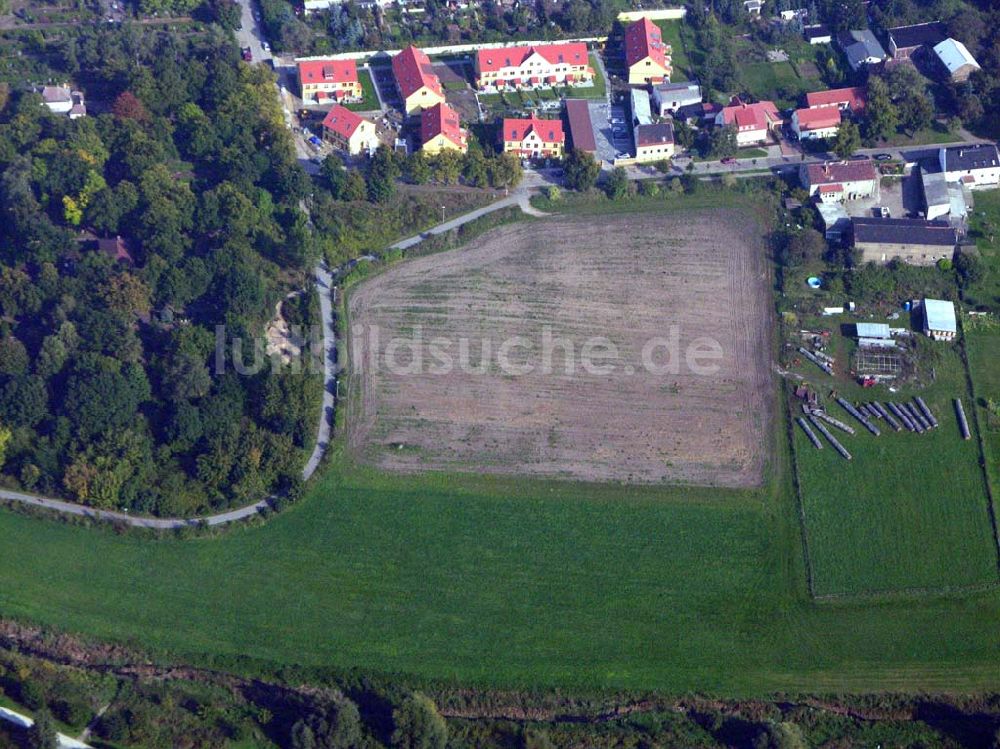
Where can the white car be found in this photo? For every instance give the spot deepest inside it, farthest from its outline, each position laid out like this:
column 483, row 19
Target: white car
column 263, row 46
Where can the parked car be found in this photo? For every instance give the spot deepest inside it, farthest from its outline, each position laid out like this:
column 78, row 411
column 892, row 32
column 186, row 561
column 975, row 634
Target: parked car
column 316, row 141
column 729, row 160
column 883, row 156
column 263, row 46
column 247, row 54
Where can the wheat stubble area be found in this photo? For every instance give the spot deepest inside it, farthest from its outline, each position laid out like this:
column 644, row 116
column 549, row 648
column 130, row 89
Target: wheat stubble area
column 623, row 348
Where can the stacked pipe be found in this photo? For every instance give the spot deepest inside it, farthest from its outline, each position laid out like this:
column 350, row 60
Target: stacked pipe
column 886, row 415
column 857, row 415
column 816, row 360
column 833, row 440
column 809, row 433
column 902, row 416
column 835, row 422
column 927, row 412
column 963, row 424
column 917, row 417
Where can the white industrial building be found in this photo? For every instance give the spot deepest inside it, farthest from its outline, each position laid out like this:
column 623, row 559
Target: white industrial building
column 940, row 322
column 956, row 59
column 669, row 97
column 976, row 166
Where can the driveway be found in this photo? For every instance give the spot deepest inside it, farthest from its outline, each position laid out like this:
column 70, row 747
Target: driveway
column 250, row 34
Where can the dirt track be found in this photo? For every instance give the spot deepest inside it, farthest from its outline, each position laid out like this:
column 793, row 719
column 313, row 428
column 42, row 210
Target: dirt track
column 626, row 278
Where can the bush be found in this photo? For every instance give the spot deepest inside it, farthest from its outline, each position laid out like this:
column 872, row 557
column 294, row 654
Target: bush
column 944, row 264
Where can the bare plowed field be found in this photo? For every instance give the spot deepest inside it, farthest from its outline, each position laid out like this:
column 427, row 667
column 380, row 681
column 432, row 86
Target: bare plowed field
column 459, row 360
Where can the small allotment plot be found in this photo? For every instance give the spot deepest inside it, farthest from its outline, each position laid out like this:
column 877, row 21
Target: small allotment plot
column 692, row 282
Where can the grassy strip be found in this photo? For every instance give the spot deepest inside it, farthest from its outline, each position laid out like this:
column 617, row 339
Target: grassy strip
column 369, row 101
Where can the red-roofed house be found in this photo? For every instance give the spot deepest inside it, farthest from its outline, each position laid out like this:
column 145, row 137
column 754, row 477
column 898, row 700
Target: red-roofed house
column 349, row 131
column 753, row 122
column 533, row 138
column 532, row 67
column 440, row 130
column 851, row 99
column 646, row 54
column 325, row 80
column 821, row 122
column 417, row 82
column 836, row 181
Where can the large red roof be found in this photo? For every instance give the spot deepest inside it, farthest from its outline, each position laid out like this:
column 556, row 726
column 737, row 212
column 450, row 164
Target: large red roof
column 328, row 71
column 574, row 53
column 835, row 172
column 441, row 119
column 550, row 131
column 818, row 118
column 644, row 39
column 758, row 116
column 413, row 71
column 342, row 121
column 854, row 98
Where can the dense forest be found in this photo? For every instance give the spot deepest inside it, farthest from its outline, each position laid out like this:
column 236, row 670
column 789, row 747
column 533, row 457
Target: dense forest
column 110, row 389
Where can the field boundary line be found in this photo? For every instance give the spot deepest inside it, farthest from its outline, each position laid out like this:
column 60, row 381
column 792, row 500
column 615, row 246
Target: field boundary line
column 970, row 384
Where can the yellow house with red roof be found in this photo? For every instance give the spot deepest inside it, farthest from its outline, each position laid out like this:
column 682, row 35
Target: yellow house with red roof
column 329, row 80
column 440, row 130
column 349, row 131
column 647, row 56
column 418, row 84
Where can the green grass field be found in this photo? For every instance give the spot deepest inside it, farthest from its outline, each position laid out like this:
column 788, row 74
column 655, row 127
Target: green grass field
column 985, row 230
column 370, row 100
column 909, row 512
column 777, row 81
column 672, row 35
column 514, row 583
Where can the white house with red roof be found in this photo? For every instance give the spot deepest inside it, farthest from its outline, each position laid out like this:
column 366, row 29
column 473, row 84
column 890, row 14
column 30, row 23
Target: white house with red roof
column 753, row 122
column 533, row 138
column 813, row 124
column 440, row 130
column 419, row 86
column 531, row 67
column 349, row 131
column 851, row 99
column 837, row 181
column 324, row 80
column 647, row 56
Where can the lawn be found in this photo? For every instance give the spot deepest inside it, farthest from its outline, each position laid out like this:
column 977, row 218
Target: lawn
column 777, row 81
column 509, row 582
column 673, row 36
column 909, row 512
column 984, row 229
column 983, row 347
column 370, row 101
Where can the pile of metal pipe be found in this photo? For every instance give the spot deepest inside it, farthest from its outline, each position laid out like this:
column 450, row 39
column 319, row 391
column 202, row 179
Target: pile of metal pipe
column 858, row 415
column 809, row 433
column 963, row 423
column 833, row 440
column 816, row 360
column 886, row 415
column 927, row 412
column 835, row 422
column 902, row 416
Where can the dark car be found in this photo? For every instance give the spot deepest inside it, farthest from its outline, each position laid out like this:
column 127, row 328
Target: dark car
column 883, row 156
column 729, row 160
column 247, row 54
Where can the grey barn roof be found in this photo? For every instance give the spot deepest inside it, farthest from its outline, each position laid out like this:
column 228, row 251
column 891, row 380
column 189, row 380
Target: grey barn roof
column 904, row 231
column 966, row 158
column 918, row 35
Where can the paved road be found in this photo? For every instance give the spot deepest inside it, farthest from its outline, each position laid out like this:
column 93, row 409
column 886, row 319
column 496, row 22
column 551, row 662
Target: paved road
column 326, row 292
column 250, row 34
column 63, row 741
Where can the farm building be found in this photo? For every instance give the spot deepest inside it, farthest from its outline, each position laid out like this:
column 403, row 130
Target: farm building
column 836, row 222
column 976, row 166
column 904, row 41
column 851, row 99
column 669, row 97
column 647, row 56
column 817, row 34
column 874, row 330
column 440, row 130
column 329, row 80
column 63, row 100
column 641, row 114
column 813, row 124
column 939, row 319
column 915, row 241
column 418, row 84
column 654, row 142
column 349, row 131
column 534, row 66
column 533, row 138
column 837, row 181
column 753, row 122
column 956, row 59
column 942, row 198
column 581, row 127
column 861, row 48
